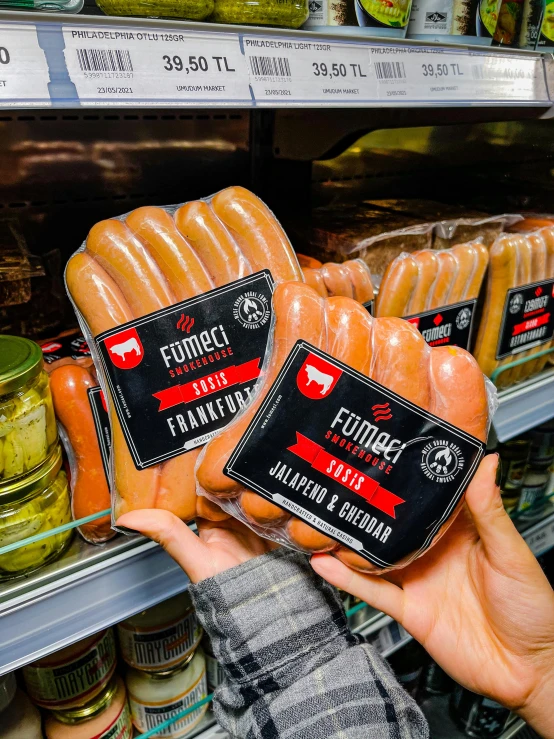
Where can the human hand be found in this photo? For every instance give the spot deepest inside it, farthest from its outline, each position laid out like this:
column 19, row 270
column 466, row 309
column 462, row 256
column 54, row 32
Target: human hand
column 478, row 602
column 219, row 545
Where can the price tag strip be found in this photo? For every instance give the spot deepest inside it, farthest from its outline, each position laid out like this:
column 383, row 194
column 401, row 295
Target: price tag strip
column 134, row 66
column 540, row 537
column 24, row 75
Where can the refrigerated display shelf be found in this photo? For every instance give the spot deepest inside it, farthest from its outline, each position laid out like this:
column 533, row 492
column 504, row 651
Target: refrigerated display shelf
column 525, row 406
column 442, row 726
column 72, row 61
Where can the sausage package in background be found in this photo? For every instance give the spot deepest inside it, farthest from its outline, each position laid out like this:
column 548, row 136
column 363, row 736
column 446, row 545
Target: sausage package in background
column 176, row 304
column 518, row 314
column 351, row 279
column 436, row 291
column 362, row 438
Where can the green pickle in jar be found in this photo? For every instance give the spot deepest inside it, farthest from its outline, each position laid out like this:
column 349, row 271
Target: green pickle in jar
column 28, row 430
column 283, row 13
column 192, row 10
column 36, row 504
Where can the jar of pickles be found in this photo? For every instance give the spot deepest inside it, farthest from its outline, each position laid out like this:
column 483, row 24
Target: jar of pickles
column 28, row 430
column 280, row 13
column 37, row 503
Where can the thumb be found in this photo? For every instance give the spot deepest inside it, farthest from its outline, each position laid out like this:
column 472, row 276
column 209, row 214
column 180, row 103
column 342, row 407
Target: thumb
column 499, row 537
column 178, row 540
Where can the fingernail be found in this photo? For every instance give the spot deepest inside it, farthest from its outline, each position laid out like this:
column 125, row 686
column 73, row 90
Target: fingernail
column 498, row 472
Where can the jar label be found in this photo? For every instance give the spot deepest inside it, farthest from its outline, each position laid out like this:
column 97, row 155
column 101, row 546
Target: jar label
column 68, row 683
column 531, row 494
column 216, row 673
column 160, row 648
column 148, row 715
column 122, row 727
column 513, row 477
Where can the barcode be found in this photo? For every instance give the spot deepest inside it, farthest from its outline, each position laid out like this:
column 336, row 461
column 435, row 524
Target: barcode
column 390, row 70
column 270, row 66
column 104, row 60
column 499, row 71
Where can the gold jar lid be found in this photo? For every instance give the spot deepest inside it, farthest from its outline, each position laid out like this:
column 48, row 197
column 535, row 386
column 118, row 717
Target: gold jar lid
column 20, row 361
column 35, row 482
column 165, row 674
column 93, row 708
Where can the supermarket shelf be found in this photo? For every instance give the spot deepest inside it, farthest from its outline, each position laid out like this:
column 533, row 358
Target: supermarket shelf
column 86, row 591
column 442, row 726
column 524, row 406
column 539, row 535
column 62, row 67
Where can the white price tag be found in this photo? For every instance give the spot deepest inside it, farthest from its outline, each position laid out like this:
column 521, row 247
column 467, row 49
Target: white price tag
column 24, row 75
column 421, row 75
column 293, row 71
column 134, row 66
column 540, row 540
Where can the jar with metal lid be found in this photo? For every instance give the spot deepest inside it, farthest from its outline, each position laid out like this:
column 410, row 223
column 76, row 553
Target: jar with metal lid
column 162, row 637
column 533, row 491
column 74, row 675
column 156, row 697
column 19, row 719
column 106, row 716
column 542, row 446
column 32, row 505
column 281, row 13
column 28, row 430
column 514, row 455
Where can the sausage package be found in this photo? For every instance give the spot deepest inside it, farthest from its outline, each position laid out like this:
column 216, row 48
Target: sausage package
column 437, row 291
column 69, row 347
column 351, row 279
column 361, row 440
column 176, row 305
column 518, row 314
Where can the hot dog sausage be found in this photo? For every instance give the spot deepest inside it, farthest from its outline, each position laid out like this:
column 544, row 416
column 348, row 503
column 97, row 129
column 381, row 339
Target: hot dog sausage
column 427, row 268
column 502, row 276
column 131, row 266
column 205, row 508
column 474, row 286
column 400, row 359
column 175, row 257
column 349, row 333
column 337, row 279
column 177, row 487
column 314, row 278
column 458, row 392
column 212, row 242
column 548, row 236
column 306, row 261
column 307, row 538
column 299, row 314
column 103, row 306
column 261, row 511
column 397, row 286
column 466, row 259
column 538, row 272
column 257, row 232
column 440, row 294
column 360, row 276
column 90, row 492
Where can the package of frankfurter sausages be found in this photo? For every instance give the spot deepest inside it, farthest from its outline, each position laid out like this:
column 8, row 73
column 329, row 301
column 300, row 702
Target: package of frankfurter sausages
column 351, row 279
column 518, row 314
column 361, row 440
column 175, row 303
column 436, row 291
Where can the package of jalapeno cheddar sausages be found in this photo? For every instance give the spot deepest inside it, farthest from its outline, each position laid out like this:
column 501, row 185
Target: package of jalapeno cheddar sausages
column 176, row 305
column 361, row 440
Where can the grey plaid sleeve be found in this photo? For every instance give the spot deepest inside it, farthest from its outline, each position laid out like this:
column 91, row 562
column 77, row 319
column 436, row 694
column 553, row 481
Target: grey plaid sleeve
column 293, row 669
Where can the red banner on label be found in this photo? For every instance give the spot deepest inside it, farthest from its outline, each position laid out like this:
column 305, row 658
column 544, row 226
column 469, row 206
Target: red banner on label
column 212, row 383
column 529, row 325
column 348, row 476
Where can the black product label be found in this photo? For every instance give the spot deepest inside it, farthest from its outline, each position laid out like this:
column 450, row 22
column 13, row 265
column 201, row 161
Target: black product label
column 74, row 346
column 450, row 325
column 381, row 480
column 102, row 425
column 527, row 319
column 369, row 306
column 180, row 375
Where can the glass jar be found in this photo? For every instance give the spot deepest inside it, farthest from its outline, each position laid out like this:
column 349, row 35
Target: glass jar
column 535, row 484
column 156, row 697
column 514, row 455
column 106, row 716
column 162, row 637
column 28, row 430
column 19, row 719
column 214, row 670
column 33, row 505
column 283, row 13
column 73, row 676
column 192, row 10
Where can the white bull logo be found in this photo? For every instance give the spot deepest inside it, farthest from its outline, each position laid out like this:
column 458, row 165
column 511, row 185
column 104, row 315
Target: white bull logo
column 126, row 347
column 320, row 378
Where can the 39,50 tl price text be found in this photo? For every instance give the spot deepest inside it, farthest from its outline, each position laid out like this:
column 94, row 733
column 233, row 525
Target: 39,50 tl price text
column 4, row 55
column 441, row 70
column 336, row 70
column 197, row 64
